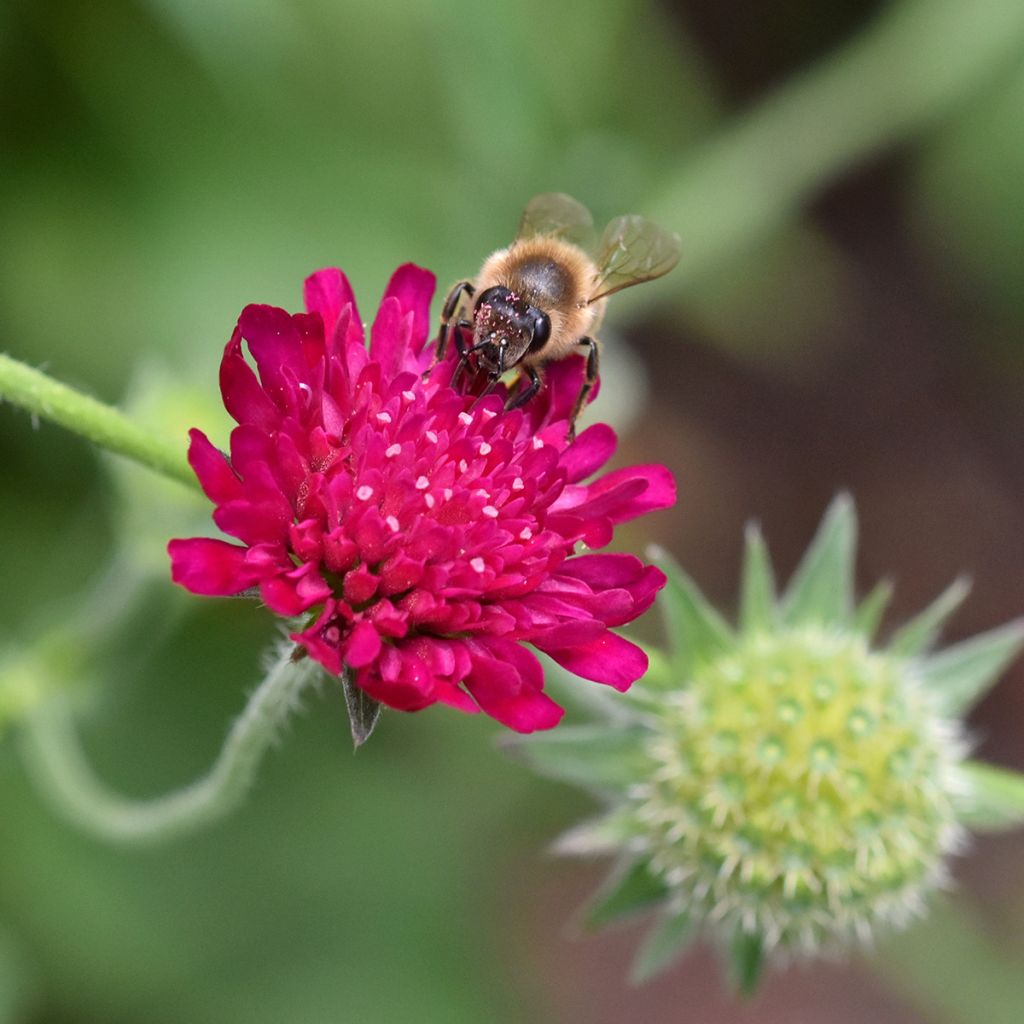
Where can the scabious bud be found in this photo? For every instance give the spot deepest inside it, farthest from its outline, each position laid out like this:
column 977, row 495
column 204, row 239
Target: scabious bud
column 784, row 786
column 802, row 789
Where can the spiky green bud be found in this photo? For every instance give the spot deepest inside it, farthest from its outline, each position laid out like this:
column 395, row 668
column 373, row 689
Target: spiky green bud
column 802, row 788
column 786, row 786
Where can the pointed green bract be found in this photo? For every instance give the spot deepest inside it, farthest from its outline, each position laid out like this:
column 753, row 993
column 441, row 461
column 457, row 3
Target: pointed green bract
column 996, row 798
column 363, row 710
column 757, row 591
column 922, row 631
column 789, row 785
column 960, row 676
column 868, row 616
column 606, row 834
column 663, row 945
column 696, row 632
column 593, row 756
column 821, row 589
column 746, row 960
column 629, row 889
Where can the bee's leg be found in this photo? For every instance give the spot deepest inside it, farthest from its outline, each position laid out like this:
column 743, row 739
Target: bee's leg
column 589, row 380
column 525, row 394
column 463, row 352
column 494, row 378
column 451, row 304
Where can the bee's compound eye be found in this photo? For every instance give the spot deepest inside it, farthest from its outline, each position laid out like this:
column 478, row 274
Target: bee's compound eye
column 541, row 331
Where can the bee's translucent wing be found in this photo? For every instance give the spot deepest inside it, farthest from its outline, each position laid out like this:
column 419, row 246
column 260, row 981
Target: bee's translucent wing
column 555, row 213
column 633, row 250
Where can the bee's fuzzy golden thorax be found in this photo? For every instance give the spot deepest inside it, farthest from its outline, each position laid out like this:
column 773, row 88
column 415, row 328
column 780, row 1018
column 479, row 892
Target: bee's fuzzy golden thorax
column 554, row 276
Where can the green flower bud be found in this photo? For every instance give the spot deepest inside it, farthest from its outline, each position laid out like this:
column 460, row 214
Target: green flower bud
column 802, row 788
column 786, row 787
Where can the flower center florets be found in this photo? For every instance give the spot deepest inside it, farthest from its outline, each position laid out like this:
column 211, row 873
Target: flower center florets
column 423, row 508
column 803, row 788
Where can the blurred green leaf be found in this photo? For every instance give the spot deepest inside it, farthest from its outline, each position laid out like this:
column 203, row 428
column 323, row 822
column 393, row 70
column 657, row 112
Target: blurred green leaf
column 16, row 982
column 951, row 970
column 903, row 74
column 967, row 199
column 996, row 800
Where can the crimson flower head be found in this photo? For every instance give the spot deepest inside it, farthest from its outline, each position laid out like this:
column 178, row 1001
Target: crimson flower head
column 420, row 536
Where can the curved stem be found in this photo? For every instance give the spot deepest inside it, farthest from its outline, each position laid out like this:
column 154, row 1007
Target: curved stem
column 58, row 766
column 101, row 424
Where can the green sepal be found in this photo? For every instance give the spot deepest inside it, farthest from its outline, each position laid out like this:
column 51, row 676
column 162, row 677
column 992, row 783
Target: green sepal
column 996, row 799
column 597, row 757
column 922, row 631
column 696, row 632
column 606, row 834
column 746, row 961
column 629, row 889
column 961, row 675
column 363, row 710
column 868, row 616
column 821, row 590
column 757, row 586
column 671, row 936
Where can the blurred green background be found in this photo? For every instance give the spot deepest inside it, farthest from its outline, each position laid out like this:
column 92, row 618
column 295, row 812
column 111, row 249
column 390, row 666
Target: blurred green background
column 848, row 181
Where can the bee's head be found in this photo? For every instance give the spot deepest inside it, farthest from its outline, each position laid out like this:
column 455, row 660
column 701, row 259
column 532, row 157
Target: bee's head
column 505, row 328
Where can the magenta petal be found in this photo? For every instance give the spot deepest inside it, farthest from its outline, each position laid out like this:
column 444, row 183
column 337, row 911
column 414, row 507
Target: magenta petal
column 275, row 342
column 562, row 380
column 569, row 634
column 413, row 287
column 609, row 659
column 281, row 596
column 244, row 397
column 502, row 692
column 602, row 572
column 212, row 469
column 589, row 452
column 363, row 645
column 455, row 697
column 328, row 292
column 210, row 567
column 660, row 491
column 399, row 679
column 389, row 337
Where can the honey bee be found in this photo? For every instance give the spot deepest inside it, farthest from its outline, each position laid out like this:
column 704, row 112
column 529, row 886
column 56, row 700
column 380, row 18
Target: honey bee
column 541, row 298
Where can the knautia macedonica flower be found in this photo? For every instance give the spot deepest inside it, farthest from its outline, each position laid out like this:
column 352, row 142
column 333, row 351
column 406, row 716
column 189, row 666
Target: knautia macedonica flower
column 423, row 536
column 786, row 786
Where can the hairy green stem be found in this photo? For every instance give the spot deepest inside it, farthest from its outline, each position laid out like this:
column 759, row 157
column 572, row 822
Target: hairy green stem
column 59, row 768
column 99, row 423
